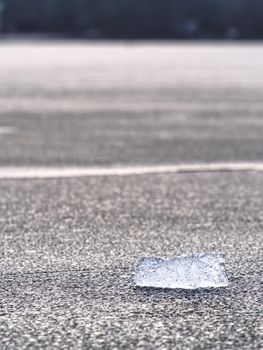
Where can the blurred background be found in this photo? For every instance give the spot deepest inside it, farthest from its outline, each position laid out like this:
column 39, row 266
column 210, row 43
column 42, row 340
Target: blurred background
column 134, row 19
column 71, row 94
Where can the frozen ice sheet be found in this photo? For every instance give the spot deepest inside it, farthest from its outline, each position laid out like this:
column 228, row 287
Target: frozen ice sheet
column 204, row 270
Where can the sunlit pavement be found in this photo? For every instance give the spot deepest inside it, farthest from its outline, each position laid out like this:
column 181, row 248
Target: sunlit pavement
column 68, row 245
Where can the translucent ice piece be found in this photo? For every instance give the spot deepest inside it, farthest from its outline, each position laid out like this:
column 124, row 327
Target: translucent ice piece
column 186, row 271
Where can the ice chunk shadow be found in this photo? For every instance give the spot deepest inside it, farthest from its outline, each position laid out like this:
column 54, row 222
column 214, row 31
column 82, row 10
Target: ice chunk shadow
column 166, row 293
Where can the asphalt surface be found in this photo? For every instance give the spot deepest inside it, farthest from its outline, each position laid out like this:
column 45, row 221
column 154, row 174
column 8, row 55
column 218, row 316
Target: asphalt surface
column 68, row 246
column 104, row 104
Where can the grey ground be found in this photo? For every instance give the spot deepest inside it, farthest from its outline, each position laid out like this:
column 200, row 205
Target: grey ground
column 68, row 245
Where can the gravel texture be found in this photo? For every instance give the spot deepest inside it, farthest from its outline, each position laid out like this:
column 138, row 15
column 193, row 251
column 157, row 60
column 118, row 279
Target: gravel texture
column 68, row 248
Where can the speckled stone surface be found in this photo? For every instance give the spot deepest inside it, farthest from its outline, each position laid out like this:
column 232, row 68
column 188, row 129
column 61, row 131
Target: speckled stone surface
column 68, row 248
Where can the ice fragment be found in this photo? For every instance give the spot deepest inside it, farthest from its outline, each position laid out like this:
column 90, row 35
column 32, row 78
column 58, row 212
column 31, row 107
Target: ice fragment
column 204, row 270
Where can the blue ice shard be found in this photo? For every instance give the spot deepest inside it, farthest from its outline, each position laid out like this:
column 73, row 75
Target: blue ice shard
column 204, row 270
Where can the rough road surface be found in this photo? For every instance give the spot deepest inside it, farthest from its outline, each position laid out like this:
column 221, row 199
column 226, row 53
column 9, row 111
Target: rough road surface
column 68, row 245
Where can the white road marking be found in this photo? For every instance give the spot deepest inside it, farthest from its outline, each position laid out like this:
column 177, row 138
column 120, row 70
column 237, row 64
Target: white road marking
column 66, row 172
column 86, row 104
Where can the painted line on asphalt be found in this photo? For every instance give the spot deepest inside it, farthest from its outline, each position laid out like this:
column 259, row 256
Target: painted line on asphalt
column 66, row 172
